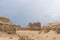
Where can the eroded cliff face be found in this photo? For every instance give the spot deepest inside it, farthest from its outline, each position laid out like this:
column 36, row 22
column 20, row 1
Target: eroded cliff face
column 6, row 25
column 33, row 26
column 55, row 26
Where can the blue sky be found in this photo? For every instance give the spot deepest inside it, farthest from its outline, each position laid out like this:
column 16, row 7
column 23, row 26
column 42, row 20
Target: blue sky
column 21, row 12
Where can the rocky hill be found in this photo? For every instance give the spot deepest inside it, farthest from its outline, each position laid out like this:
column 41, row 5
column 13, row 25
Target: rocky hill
column 33, row 31
column 6, row 25
column 33, row 27
column 55, row 26
column 50, row 31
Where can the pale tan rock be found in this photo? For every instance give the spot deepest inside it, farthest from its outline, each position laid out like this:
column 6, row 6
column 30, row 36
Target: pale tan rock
column 18, row 27
column 34, row 26
column 55, row 26
column 6, row 25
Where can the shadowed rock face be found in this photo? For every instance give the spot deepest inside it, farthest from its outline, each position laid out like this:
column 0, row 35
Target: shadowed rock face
column 34, row 26
column 18, row 27
column 55, row 26
column 6, row 25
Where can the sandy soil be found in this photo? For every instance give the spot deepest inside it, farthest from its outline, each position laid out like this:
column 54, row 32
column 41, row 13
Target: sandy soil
column 42, row 36
column 52, row 35
column 5, row 36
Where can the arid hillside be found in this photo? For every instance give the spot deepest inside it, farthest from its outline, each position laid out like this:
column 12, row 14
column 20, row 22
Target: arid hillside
column 33, row 31
column 50, row 31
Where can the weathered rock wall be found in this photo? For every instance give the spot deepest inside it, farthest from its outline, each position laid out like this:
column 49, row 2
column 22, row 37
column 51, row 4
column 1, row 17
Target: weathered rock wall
column 6, row 25
column 55, row 26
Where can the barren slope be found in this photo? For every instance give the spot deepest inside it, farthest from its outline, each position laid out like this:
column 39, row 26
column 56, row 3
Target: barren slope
column 5, row 36
column 52, row 35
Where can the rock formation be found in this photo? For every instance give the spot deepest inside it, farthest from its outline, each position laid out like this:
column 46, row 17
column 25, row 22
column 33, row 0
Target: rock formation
column 6, row 25
column 55, row 26
column 18, row 27
column 34, row 26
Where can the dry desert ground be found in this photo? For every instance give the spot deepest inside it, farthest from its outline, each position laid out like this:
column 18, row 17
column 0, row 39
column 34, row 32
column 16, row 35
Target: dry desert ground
column 52, row 35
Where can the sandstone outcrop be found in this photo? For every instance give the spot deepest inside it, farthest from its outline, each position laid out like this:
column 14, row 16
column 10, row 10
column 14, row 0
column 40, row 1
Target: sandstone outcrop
column 55, row 26
column 6, row 25
column 18, row 27
column 34, row 26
